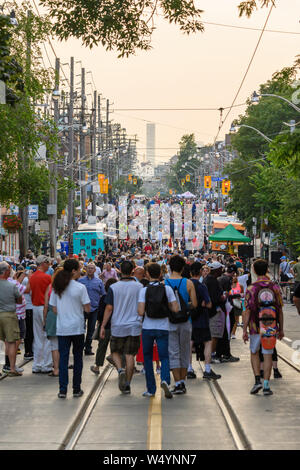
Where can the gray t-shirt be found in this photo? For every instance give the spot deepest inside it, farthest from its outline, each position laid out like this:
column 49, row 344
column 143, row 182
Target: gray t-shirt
column 124, row 296
column 9, row 293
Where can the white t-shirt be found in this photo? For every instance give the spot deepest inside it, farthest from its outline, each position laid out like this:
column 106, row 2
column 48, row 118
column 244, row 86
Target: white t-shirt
column 27, row 296
column 156, row 323
column 70, row 316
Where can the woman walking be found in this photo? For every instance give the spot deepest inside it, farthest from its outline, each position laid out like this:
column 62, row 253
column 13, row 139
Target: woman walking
column 68, row 299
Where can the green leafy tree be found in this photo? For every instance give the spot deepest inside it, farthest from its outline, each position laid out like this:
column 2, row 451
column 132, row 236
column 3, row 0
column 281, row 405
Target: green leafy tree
column 285, row 152
column 126, row 25
column 186, row 156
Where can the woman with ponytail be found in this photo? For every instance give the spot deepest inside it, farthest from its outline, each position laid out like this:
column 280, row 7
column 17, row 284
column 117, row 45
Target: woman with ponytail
column 70, row 300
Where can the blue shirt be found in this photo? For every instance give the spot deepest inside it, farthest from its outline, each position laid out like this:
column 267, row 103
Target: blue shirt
column 95, row 290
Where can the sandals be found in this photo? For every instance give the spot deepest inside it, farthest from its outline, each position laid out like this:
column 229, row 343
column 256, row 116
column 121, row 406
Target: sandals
column 14, row 373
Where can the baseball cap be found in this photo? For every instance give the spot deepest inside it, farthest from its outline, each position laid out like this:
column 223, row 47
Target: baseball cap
column 42, row 259
column 283, row 257
column 215, row 265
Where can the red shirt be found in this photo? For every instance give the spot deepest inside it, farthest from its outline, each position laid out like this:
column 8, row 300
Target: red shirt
column 148, row 248
column 39, row 282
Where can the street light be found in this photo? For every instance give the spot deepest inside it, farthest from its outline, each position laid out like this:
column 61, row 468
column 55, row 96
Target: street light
column 255, row 99
column 233, row 129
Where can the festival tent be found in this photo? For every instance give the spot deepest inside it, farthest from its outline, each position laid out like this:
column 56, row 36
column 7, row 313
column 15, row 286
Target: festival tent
column 229, row 234
column 187, row 195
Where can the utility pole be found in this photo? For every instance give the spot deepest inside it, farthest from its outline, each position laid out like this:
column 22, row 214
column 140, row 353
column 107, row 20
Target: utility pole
column 71, row 151
column 93, row 148
column 53, row 168
column 107, row 146
column 24, row 233
column 82, row 148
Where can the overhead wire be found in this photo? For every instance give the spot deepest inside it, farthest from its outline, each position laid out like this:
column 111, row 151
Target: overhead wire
column 245, row 74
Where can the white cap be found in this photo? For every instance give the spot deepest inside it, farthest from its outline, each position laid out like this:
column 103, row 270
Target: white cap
column 215, row 265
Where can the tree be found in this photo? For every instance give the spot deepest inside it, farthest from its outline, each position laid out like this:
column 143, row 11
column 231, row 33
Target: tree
column 187, row 154
column 126, row 25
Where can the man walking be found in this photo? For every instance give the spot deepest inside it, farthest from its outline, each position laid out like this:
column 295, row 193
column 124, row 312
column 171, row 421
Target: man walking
column 180, row 333
column 122, row 306
column 95, row 290
column 155, row 300
column 39, row 281
column 9, row 327
column 252, row 321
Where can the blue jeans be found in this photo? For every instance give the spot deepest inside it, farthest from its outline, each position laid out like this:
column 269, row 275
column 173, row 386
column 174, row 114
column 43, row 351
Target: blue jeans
column 162, row 340
column 64, row 345
column 91, row 323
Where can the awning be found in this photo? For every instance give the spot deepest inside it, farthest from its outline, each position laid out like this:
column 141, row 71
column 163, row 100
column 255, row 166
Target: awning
column 229, row 234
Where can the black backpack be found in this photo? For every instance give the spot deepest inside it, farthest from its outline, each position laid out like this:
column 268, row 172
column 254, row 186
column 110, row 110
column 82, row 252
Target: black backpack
column 156, row 302
column 183, row 314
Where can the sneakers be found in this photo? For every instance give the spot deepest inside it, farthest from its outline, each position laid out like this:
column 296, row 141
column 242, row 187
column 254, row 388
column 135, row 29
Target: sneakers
column 215, row 360
column 28, row 356
column 127, row 390
column 256, row 388
column 165, row 387
column 122, row 380
column 277, row 374
column 229, row 359
column 191, row 375
column 89, row 353
column 183, row 387
column 267, row 391
column 211, row 375
column 177, row 390
column 110, row 360
column 62, row 395
column 78, row 394
column 6, row 369
column 95, row 370
column 148, row 394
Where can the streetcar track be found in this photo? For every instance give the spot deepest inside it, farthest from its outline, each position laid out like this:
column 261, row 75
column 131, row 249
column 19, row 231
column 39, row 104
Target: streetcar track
column 233, row 424
column 77, row 426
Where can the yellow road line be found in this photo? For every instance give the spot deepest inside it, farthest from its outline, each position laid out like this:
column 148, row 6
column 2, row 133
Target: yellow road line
column 154, row 440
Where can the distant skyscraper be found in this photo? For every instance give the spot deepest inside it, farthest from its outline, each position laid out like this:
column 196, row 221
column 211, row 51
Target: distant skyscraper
column 151, row 143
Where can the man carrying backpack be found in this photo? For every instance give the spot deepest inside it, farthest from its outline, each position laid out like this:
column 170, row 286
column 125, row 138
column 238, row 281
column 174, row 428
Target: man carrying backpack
column 180, row 331
column 155, row 303
column 263, row 315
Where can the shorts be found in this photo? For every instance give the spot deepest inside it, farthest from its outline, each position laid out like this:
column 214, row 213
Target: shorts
column 201, row 335
column 9, row 327
column 53, row 343
column 180, row 345
column 125, row 345
column 255, row 343
column 217, row 325
column 22, row 326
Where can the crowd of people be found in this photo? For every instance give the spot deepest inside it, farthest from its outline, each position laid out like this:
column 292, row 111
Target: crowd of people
column 146, row 303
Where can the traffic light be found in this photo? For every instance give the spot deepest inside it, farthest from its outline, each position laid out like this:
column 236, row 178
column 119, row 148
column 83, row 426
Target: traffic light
column 225, row 187
column 182, row 182
column 188, row 178
column 207, row 182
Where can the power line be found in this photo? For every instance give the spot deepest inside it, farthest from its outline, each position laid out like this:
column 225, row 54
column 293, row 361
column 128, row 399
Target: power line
column 245, row 74
column 179, row 109
column 250, row 29
column 50, row 43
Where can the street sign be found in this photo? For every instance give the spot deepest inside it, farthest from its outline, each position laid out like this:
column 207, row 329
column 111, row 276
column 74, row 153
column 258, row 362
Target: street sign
column 217, row 178
column 33, row 212
column 51, row 209
column 2, row 93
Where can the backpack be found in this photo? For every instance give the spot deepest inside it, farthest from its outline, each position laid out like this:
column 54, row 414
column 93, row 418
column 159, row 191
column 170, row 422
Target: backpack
column 183, row 314
column 267, row 317
column 156, row 302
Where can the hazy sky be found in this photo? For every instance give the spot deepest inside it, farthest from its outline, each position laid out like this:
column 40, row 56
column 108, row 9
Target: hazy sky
column 201, row 70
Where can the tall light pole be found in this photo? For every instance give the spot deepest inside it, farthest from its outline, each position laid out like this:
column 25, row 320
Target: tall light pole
column 71, row 151
column 255, row 99
column 53, row 168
